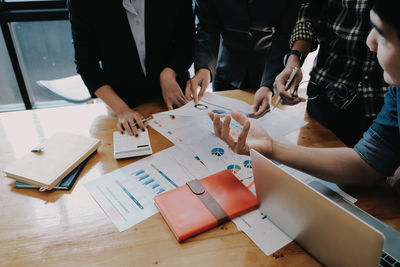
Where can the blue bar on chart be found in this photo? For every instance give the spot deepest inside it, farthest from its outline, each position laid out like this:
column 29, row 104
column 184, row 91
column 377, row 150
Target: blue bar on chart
column 160, row 191
column 154, row 186
column 138, row 172
column 148, row 181
column 141, row 178
column 129, row 195
column 165, row 176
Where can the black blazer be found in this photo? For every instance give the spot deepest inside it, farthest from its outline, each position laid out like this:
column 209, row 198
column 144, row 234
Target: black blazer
column 105, row 50
column 223, row 35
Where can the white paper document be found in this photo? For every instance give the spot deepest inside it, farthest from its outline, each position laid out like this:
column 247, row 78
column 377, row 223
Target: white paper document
column 126, row 195
column 212, row 103
column 181, row 129
column 217, row 156
column 279, row 123
column 262, row 231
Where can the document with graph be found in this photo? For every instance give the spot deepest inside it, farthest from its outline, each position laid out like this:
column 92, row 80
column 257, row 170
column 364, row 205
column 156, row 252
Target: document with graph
column 212, row 103
column 126, row 195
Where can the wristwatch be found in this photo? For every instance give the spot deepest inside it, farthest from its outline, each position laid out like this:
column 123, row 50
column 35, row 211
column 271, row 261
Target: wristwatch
column 296, row 53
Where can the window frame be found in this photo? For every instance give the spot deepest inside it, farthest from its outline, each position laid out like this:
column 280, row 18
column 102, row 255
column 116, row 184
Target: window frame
column 27, row 11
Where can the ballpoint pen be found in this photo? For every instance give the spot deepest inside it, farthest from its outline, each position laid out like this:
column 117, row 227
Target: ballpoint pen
column 287, row 85
column 144, row 119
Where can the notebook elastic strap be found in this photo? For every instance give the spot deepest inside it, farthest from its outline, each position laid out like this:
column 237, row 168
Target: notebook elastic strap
column 207, row 199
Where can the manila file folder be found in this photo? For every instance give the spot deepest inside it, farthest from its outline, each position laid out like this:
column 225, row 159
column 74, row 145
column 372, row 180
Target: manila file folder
column 61, row 153
column 203, row 204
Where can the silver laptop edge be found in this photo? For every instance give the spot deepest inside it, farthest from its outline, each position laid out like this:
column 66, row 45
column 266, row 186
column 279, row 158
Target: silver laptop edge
column 326, row 230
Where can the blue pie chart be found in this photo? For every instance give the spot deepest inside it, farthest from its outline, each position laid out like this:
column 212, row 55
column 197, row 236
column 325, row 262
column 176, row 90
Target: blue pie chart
column 217, row 151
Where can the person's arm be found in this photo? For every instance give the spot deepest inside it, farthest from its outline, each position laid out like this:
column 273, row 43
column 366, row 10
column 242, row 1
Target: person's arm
column 284, row 24
column 206, row 48
column 304, row 38
column 87, row 60
column 338, row 165
column 126, row 116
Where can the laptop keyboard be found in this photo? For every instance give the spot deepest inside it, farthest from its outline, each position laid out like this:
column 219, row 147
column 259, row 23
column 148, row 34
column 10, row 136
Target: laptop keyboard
column 386, row 260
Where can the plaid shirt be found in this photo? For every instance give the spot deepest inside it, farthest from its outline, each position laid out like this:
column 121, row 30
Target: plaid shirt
column 345, row 68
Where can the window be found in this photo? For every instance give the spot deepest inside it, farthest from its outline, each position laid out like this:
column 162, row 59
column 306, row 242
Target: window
column 10, row 96
column 35, row 44
column 44, row 52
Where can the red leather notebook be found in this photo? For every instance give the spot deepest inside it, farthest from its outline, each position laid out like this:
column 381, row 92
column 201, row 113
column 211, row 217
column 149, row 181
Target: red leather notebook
column 203, row 204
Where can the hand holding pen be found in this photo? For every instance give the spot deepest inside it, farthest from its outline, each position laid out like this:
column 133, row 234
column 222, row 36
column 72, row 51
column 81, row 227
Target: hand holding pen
column 131, row 121
column 287, row 82
column 144, row 119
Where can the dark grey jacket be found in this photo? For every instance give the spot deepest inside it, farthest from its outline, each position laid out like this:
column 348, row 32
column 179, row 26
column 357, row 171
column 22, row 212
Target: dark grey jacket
column 105, row 50
column 224, row 44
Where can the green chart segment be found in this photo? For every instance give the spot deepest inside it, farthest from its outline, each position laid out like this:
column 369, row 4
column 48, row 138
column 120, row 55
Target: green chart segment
column 234, row 168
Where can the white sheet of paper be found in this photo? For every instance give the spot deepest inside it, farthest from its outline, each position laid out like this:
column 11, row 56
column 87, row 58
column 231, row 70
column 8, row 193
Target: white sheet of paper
column 279, row 123
column 181, row 129
column 262, row 231
column 126, row 195
column 212, row 103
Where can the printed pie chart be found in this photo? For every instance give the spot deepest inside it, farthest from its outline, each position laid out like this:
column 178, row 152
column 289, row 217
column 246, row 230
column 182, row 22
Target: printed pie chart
column 217, row 151
column 234, row 168
column 247, row 164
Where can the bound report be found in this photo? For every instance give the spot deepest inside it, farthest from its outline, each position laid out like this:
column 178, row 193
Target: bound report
column 203, row 204
column 58, row 156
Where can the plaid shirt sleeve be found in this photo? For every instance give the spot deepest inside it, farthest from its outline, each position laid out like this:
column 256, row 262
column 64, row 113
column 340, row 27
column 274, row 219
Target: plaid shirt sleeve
column 308, row 20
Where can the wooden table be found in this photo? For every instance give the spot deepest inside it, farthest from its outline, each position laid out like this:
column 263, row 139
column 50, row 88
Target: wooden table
column 69, row 228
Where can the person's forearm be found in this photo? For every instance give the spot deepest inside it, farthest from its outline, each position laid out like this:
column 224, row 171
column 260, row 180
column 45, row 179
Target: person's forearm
column 338, row 165
column 168, row 73
column 108, row 95
column 303, row 47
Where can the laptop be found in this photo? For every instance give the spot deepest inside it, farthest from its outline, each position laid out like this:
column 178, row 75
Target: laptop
column 328, row 227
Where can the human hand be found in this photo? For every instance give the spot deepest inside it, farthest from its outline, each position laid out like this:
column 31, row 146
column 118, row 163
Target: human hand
column 290, row 96
column 126, row 120
column 252, row 136
column 262, row 102
column 171, row 91
column 201, row 78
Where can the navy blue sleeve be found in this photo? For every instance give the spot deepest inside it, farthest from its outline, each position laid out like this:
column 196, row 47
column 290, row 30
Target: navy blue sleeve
column 380, row 145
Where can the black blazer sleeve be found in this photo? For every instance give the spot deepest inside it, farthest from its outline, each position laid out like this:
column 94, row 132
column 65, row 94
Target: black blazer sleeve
column 207, row 36
column 181, row 48
column 84, row 41
column 280, row 42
